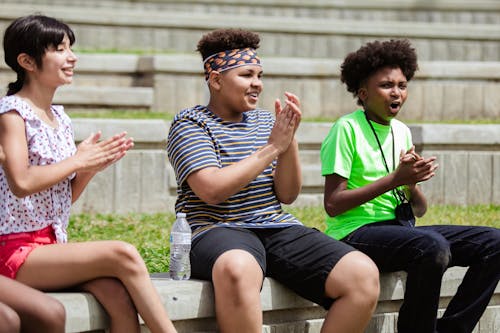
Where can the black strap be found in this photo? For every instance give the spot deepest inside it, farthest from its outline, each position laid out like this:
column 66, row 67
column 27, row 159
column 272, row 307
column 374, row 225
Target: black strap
column 398, row 194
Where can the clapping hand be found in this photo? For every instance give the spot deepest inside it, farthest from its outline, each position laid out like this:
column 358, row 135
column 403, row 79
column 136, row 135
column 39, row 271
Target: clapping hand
column 94, row 155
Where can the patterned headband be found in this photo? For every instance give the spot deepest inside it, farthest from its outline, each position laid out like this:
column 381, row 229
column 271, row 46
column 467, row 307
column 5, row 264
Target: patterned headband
column 222, row 61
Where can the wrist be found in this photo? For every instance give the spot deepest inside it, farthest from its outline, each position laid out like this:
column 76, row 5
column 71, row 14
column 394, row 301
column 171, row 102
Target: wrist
column 271, row 149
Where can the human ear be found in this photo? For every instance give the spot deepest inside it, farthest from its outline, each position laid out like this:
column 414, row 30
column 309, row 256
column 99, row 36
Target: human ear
column 214, row 80
column 362, row 93
column 26, row 62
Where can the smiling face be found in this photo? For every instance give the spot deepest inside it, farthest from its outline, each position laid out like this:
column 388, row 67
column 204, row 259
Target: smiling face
column 235, row 91
column 383, row 94
column 58, row 64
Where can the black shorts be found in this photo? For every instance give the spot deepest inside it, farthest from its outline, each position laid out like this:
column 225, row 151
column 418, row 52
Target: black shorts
column 298, row 257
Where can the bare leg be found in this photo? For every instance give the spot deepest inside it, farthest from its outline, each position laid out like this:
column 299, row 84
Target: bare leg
column 354, row 283
column 58, row 266
column 11, row 323
column 37, row 312
column 115, row 299
column 237, row 279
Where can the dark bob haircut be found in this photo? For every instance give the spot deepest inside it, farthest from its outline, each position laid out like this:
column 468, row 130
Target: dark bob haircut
column 32, row 35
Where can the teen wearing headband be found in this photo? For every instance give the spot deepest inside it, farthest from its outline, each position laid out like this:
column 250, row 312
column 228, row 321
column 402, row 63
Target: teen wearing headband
column 235, row 164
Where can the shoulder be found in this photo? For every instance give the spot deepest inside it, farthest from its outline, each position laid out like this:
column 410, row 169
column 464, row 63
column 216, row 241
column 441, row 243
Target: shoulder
column 198, row 116
column 349, row 122
column 353, row 119
column 189, row 123
column 14, row 103
column 198, row 113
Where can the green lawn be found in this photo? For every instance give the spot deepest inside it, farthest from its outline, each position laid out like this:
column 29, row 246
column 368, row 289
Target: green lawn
column 149, row 232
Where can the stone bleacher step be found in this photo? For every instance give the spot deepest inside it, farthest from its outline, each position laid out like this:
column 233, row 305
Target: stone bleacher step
column 105, row 97
column 127, row 30
column 479, row 11
column 190, row 301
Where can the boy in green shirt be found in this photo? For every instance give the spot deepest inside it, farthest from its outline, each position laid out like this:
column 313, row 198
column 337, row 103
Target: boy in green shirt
column 371, row 170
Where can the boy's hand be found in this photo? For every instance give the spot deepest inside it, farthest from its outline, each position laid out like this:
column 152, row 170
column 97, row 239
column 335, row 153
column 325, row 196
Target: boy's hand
column 414, row 169
column 287, row 121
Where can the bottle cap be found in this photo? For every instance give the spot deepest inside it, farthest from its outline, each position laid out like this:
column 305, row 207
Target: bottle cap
column 181, row 214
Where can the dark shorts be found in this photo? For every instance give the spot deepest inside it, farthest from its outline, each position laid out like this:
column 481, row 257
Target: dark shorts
column 298, row 257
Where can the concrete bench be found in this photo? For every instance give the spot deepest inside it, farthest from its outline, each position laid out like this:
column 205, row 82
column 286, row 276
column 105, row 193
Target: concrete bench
column 190, row 305
column 480, row 11
column 152, row 30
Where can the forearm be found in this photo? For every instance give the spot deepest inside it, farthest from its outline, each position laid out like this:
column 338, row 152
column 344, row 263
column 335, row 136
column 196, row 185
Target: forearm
column 339, row 200
column 216, row 185
column 37, row 178
column 79, row 183
column 288, row 174
column 417, row 200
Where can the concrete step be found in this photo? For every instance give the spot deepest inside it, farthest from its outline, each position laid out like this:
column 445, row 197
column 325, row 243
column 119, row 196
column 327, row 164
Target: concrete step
column 143, row 181
column 190, row 305
column 480, row 11
column 132, row 30
column 440, row 91
column 81, row 97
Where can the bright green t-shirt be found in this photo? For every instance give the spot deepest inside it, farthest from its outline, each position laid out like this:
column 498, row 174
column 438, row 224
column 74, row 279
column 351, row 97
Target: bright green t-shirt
column 350, row 150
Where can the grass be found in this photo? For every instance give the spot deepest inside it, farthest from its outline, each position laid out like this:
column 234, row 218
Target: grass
column 167, row 115
column 149, row 232
column 121, row 114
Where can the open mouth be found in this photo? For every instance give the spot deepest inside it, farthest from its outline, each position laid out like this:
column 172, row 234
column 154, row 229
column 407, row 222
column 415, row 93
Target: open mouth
column 395, row 106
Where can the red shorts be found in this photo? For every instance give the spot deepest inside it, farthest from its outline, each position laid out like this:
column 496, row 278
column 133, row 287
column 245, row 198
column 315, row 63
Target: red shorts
column 15, row 248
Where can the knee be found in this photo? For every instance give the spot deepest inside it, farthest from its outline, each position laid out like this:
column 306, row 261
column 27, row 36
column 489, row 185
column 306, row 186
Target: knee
column 237, row 269
column 436, row 254
column 55, row 317
column 113, row 296
column 10, row 321
column 127, row 259
column 357, row 277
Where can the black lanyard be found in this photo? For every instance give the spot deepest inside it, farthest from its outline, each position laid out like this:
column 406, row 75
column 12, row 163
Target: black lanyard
column 396, row 192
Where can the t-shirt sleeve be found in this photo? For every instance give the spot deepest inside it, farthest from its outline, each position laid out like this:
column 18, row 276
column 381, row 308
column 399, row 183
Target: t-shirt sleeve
column 337, row 150
column 190, row 148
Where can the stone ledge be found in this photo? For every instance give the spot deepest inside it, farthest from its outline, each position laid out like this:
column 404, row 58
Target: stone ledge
column 193, row 302
column 92, row 97
column 190, row 20
column 459, row 5
column 169, row 83
column 187, row 63
column 309, row 134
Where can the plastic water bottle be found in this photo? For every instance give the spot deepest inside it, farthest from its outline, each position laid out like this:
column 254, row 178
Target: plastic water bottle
column 180, row 246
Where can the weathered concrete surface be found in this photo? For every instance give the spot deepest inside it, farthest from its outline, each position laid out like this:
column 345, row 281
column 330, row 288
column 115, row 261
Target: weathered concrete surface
column 468, row 155
column 190, row 305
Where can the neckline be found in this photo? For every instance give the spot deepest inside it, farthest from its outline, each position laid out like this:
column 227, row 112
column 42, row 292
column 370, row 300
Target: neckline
column 52, row 110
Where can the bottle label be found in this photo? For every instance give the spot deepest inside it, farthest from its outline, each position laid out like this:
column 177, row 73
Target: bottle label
column 180, row 238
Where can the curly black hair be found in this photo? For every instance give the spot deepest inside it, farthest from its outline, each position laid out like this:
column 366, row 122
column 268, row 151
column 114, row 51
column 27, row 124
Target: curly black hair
column 226, row 39
column 361, row 64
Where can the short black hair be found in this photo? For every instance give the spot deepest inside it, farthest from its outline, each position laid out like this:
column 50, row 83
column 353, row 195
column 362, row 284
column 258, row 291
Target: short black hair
column 361, row 64
column 226, row 39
